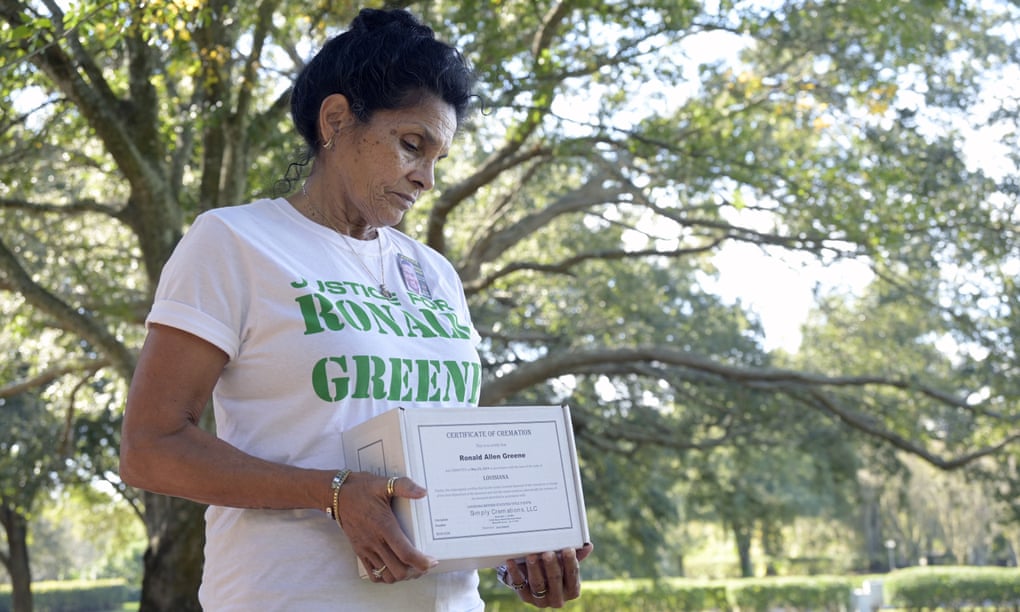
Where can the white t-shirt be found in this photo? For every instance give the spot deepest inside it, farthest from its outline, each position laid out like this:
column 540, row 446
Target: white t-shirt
column 314, row 348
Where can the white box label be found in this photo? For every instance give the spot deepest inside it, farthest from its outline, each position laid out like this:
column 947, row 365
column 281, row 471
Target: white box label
column 495, row 479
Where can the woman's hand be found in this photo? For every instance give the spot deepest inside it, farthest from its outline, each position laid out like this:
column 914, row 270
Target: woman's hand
column 549, row 579
column 368, row 520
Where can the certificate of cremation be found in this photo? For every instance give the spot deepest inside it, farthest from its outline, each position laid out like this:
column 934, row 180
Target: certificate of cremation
column 495, row 478
column 502, row 482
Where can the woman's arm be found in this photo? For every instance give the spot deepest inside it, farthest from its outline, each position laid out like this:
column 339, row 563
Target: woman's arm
column 165, row 451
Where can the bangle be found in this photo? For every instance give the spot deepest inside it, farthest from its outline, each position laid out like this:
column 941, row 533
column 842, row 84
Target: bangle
column 338, row 481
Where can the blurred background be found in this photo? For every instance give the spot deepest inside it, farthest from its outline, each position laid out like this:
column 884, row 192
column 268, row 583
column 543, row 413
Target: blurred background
column 768, row 253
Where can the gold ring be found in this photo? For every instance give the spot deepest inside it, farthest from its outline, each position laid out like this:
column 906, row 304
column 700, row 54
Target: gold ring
column 540, row 594
column 389, row 485
column 519, row 587
column 378, row 572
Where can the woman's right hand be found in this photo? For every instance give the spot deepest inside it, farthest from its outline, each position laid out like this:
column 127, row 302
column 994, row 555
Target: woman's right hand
column 366, row 515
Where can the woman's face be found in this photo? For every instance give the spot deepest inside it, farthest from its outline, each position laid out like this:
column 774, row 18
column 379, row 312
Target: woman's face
column 376, row 171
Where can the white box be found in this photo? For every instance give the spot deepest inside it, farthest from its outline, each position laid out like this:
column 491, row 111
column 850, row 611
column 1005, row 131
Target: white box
column 503, row 482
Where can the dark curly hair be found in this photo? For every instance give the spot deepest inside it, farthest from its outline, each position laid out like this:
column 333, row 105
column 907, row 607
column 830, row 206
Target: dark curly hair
column 386, row 60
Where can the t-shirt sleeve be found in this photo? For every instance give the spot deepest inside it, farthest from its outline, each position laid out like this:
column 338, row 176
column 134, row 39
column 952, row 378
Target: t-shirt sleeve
column 202, row 289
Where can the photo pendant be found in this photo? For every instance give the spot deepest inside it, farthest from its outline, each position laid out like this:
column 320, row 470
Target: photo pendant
column 414, row 277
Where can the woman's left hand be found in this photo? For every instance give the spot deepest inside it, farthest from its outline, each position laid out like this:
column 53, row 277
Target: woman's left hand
column 549, row 579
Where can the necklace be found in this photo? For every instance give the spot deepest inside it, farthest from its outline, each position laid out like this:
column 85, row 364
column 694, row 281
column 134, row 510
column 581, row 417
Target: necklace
column 381, row 281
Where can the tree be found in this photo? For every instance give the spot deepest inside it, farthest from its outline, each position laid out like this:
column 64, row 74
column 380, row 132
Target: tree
column 26, row 455
column 581, row 239
column 47, row 441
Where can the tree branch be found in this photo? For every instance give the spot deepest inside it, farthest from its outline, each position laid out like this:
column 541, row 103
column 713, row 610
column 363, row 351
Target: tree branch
column 76, row 207
column 13, row 275
column 533, row 373
column 96, row 100
column 592, row 192
column 620, row 431
column 565, row 266
column 550, row 22
column 67, row 436
column 868, row 426
column 498, row 162
column 507, row 156
column 42, row 379
column 237, row 150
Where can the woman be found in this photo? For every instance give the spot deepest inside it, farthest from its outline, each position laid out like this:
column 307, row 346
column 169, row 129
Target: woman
column 304, row 316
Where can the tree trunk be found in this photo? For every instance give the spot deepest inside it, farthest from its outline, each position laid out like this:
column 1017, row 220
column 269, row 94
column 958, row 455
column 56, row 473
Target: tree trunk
column 173, row 561
column 772, row 546
column 743, row 536
column 16, row 527
column 871, row 525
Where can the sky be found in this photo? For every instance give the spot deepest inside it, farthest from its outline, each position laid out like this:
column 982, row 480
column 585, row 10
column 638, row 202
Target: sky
column 779, row 287
column 776, row 286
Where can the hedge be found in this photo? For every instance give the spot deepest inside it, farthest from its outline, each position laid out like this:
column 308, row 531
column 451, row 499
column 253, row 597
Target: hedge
column 815, row 593
column 944, row 587
column 74, row 596
column 952, row 587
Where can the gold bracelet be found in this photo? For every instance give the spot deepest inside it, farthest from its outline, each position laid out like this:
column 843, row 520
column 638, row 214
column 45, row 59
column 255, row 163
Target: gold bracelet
column 338, row 482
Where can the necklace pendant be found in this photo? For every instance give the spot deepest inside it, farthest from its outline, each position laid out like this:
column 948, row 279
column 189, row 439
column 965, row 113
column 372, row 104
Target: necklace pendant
column 386, row 293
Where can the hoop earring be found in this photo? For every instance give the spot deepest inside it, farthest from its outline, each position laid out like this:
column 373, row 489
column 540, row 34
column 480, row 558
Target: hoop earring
column 329, row 144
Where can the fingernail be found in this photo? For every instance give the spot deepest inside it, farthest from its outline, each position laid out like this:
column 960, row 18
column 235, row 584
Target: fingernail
column 433, row 563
